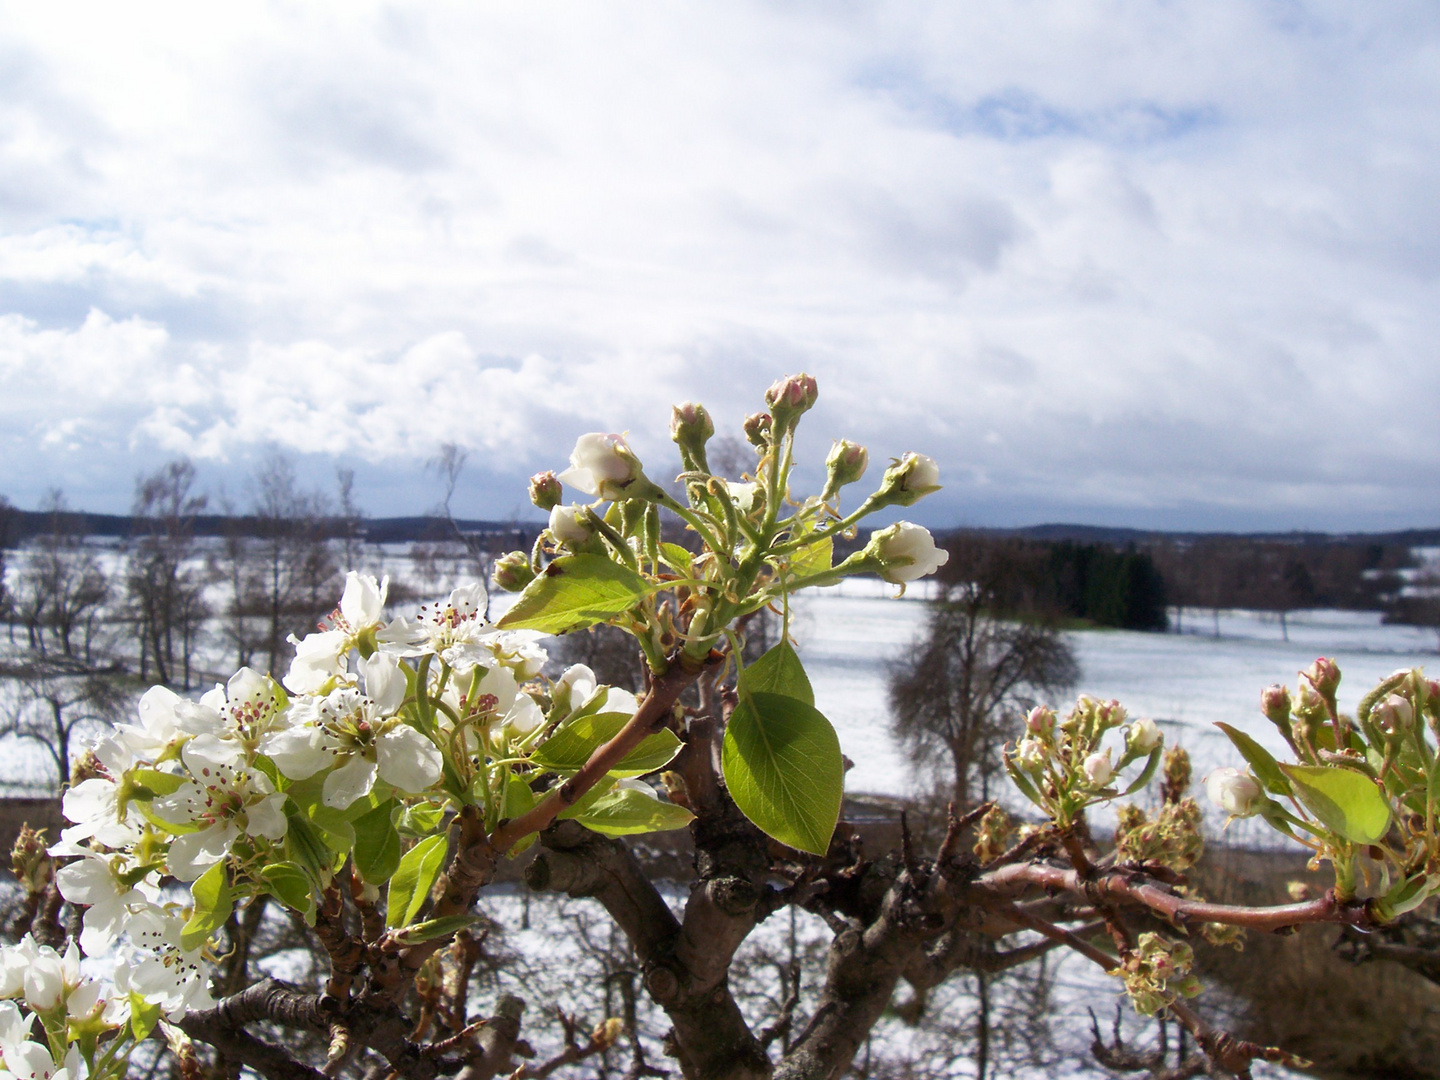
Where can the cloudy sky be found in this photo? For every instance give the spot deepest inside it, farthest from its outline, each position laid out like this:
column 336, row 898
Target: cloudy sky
column 1170, row 265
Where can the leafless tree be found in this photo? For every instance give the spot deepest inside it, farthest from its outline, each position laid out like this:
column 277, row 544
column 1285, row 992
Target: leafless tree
column 165, row 586
column 61, row 588
column 55, row 702
column 958, row 692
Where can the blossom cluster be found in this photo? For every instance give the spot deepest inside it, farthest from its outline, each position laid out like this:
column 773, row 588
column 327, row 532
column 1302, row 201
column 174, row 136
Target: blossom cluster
column 259, row 787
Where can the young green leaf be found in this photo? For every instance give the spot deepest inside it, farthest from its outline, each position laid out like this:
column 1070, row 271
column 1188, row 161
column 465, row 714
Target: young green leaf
column 411, row 883
column 1266, row 768
column 1146, row 773
column 518, row 799
column 576, row 591
column 304, row 845
column 1345, row 801
column 1024, row 783
column 210, row 894
column 677, row 558
column 779, row 671
column 570, row 747
column 421, row 821
column 291, row 885
column 783, row 766
column 377, row 844
column 626, row 811
column 431, row 929
column 813, row 558
column 144, row 1015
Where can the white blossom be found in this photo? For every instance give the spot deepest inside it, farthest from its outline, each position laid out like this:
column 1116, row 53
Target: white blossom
column 602, row 465
column 1235, row 792
column 906, row 552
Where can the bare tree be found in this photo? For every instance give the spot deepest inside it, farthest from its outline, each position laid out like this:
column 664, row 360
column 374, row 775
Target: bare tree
column 56, row 702
column 165, row 586
column 62, row 587
column 981, row 663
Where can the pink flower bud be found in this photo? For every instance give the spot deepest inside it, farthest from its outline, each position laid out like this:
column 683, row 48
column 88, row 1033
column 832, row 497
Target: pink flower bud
column 788, row 398
column 1324, row 675
column 691, row 428
column 1275, row 704
column 545, row 490
column 844, row 465
column 1041, row 720
column 513, row 571
column 757, row 429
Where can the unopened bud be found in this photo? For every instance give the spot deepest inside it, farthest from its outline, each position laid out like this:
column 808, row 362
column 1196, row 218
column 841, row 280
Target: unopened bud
column 513, row 571
column 906, row 551
column 1041, row 720
column 757, row 429
column 691, row 428
column 1275, row 704
column 570, row 525
column 1233, row 791
column 1030, row 753
column 1394, row 715
column 1176, row 773
column 908, row 480
column 1098, row 769
column 1144, row 735
column 1324, row 675
column 844, row 465
column 788, row 398
column 1111, row 714
column 605, row 1035
column 545, row 490
column 30, row 860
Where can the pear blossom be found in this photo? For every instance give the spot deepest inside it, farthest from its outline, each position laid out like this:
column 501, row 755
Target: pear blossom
column 95, row 806
column 249, row 706
column 92, row 882
column 519, row 650
column 226, row 797
column 159, row 969
column 454, row 630
column 906, row 551
column 603, row 465
column 359, row 735
column 320, row 656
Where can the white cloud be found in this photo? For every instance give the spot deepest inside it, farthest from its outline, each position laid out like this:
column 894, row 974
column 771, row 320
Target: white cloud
column 1145, row 259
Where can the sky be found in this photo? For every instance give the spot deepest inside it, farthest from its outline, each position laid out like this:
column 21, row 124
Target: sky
column 1149, row 264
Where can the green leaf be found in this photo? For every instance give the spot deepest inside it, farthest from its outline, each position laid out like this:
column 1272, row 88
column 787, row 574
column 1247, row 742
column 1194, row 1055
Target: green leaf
column 213, row 902
column 576, row 591
column 1266, row 768
column 1024, row 783
column 1146, row 773
column 304, row 845
column 779, row 671
column 377, row 844
column 431, row 929
column 518, row 799
column 1346, row 802
column 411, row 883
column 1407, row 895
column 813, row 558
column 567, row 750
column 292, row 886
column 626, row 811
column 333, row 828
column 783, row 766
column 421, row 820
column 144, row 1015
column 590, row 798
column 150, row 783
column 677, row 558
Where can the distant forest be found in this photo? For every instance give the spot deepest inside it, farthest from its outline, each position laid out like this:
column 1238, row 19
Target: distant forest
column 1132, row 583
